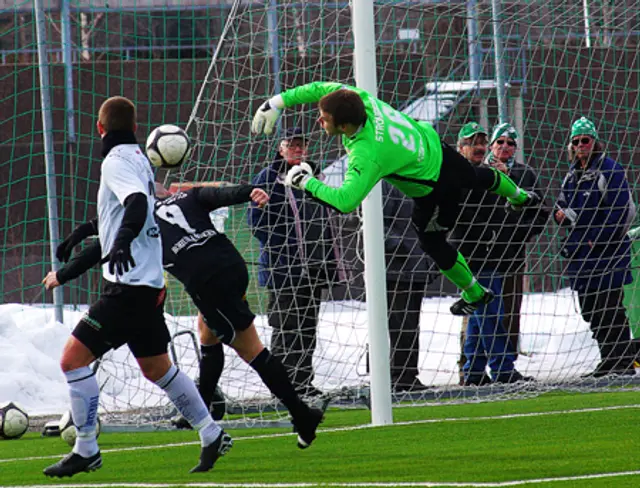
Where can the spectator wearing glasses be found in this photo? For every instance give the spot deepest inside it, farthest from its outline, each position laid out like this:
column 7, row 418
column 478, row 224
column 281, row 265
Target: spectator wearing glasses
column 495, row 241
column 596, row 208
column 502, row 157
column 297, row 263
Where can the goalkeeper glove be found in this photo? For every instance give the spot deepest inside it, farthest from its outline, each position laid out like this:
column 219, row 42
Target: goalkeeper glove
column 120, row 258
column 299, row 176
column 267, row 115
column 79, row 234
column 533, row 200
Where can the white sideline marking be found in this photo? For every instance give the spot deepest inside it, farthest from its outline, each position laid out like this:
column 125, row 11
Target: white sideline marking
column 425, row 484
column 326, row 431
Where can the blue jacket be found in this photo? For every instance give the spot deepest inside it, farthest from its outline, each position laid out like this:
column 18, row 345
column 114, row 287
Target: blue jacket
column 599, row 209
column 295, row 232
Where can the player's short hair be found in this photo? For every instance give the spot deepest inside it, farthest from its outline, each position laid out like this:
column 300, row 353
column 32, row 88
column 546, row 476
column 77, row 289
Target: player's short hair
column 117, row 113
column 345, row 106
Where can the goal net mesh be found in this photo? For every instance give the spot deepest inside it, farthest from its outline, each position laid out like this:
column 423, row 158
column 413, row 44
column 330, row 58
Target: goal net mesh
column 209, row 67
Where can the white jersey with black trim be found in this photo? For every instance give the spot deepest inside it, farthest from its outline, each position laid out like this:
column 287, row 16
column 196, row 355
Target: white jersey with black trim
column 125, row 171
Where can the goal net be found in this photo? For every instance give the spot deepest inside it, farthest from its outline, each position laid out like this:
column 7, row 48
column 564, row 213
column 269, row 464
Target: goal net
column 209, row 67
column 437, row 63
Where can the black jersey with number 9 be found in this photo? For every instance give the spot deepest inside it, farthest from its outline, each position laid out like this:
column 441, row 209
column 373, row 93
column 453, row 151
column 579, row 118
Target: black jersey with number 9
column 193, row 250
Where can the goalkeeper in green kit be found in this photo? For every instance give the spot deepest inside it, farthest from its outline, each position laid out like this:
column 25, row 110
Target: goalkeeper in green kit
column 383, row 143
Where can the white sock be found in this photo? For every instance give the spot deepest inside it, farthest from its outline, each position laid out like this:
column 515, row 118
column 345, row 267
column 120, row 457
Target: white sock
column 183, row 393
column 85, row 393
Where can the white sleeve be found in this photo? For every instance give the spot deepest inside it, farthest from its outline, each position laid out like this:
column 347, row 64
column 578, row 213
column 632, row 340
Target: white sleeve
column 121, row 178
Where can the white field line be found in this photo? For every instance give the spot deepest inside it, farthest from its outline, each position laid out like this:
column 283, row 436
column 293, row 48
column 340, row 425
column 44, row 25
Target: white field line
column 425, row 484
column 406, row 484
column 353, row 428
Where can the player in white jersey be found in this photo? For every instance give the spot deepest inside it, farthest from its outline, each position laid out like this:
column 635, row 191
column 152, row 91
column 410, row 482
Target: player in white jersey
column 131, row 308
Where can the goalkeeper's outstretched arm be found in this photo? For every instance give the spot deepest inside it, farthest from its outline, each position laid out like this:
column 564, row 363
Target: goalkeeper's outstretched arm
column 267, row 115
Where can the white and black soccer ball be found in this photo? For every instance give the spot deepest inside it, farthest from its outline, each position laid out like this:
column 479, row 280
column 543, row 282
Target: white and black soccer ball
column 14, row 420
column 68, row 431
column 168, row 146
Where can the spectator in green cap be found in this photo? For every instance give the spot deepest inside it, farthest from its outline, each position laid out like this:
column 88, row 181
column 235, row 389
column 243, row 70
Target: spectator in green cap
column 503, row 145
column 494, row 242
column 472, row 142
column 596, row 208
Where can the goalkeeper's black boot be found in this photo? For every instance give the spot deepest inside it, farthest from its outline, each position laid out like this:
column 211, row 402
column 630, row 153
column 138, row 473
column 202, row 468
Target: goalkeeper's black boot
column 211, row 453
column 72, row 464
column 462, row 307
column 306, row 426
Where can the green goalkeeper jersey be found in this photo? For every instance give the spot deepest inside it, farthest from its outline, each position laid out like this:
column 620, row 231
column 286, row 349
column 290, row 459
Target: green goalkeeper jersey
column 390, row 146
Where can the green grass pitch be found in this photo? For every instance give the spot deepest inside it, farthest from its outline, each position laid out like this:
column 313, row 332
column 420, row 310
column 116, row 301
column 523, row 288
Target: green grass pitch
column 561, row 440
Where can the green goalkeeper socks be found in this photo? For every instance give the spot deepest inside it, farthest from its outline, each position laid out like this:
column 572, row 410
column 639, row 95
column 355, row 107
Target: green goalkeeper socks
column 461, row 276
column 506, row 187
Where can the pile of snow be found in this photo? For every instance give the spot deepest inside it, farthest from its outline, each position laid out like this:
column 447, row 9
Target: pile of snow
column 555, row 341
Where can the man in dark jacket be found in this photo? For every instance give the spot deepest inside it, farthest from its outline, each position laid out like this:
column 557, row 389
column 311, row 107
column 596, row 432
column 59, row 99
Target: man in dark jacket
column 298, row 261
column 408, row 270
column 473, row 143
column 495, row 242
column 502, row 158
column 596, row 207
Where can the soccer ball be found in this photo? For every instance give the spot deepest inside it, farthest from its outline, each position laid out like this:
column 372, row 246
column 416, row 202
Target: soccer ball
column 168, row 146
column 14, row 420
column 68, row 429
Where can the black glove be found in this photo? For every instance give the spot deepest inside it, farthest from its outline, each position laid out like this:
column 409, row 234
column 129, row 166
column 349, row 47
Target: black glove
column 533, row 200
column 120, row 259
column 80, row 233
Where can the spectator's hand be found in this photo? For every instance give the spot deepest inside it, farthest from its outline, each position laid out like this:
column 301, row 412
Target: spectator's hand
column 120, row 258
column 79, row 234
column 500, row 166
column 267, row 115
column 259, row 197
column 298, row 176
column 565, row 216
column 51, row 280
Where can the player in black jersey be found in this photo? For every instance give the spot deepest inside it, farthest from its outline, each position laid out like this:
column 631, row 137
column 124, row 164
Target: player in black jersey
column 215, row 275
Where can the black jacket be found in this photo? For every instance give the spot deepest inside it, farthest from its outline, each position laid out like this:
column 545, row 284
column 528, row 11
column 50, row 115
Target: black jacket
column 297, row 241
column 405, row 260
column 492, row 238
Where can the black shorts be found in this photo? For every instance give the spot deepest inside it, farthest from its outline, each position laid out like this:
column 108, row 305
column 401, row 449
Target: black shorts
column 439, row 210
column 222, row 299
column 125, row 314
